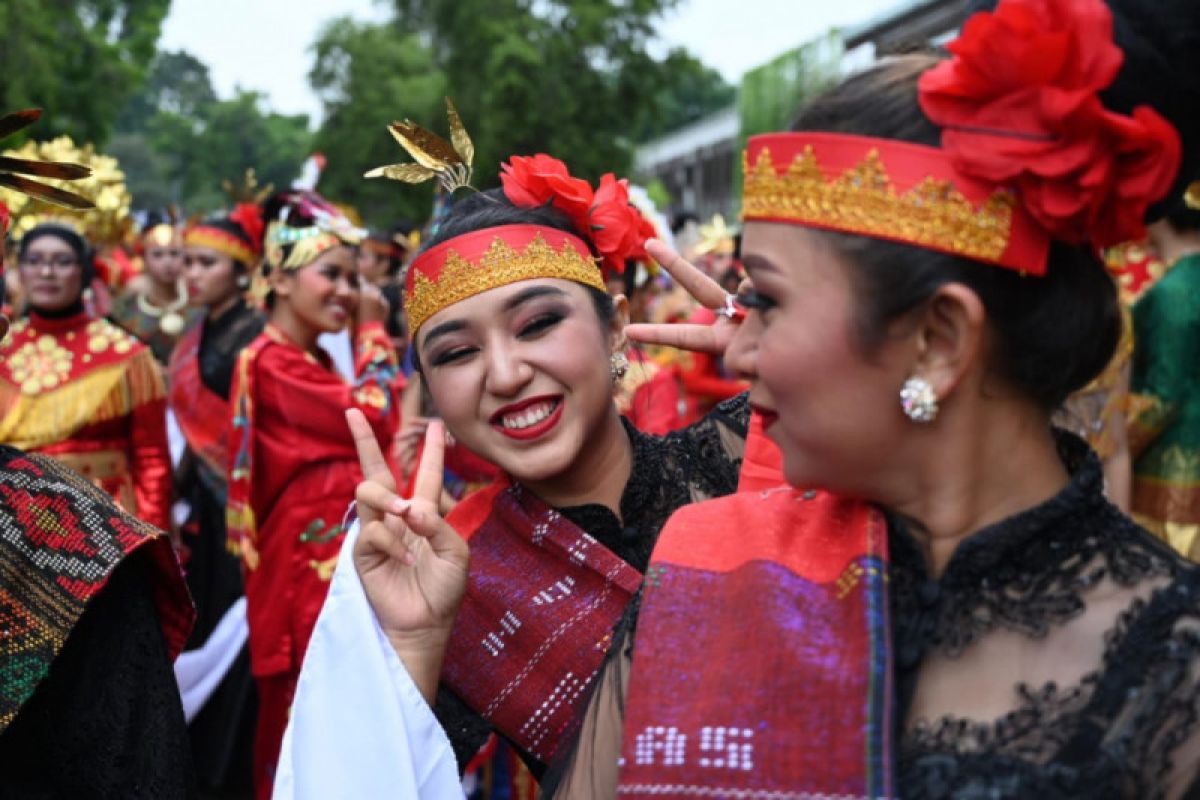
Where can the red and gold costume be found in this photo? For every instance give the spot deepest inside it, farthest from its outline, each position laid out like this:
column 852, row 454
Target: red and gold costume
column 292, row 474
column 648, row 395
column 86, row 392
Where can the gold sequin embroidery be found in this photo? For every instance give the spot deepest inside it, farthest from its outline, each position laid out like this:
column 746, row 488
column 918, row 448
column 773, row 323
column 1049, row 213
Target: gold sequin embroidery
column 863, row 200
column 40, row 365
column 501, row 265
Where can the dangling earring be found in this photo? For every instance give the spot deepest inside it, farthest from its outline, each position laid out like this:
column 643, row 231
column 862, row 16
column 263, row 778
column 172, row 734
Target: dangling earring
column 918, row 400
column 243, row 282
column 618, row 365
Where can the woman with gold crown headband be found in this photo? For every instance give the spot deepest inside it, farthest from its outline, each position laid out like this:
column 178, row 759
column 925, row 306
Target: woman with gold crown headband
column 219, row 255
column 979, row 621
column 521, row 349
column 292, row 462
column 154, row 306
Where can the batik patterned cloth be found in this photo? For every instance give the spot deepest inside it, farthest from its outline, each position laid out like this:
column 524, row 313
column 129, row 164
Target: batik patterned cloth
column 542, row 600
column 761, row 666
column 61, row 538
column 1166, row 378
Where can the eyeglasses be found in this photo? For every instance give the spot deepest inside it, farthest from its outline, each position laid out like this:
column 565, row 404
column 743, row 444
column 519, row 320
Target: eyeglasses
column 59, row 263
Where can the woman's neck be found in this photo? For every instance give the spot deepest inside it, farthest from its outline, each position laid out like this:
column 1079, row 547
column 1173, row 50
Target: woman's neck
column 161, row 294
column 981, row 468
column 599, row 473
column 216, row 310
column 66, row 312
column 302, row 335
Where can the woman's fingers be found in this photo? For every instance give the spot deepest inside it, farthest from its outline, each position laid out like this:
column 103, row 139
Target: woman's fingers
column 370, row 457
column 686, row 336
column 430, row 473
column 379, row 499
column 706, row 291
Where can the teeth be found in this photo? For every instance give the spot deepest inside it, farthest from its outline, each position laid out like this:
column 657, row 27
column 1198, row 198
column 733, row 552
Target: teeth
column 528, row 417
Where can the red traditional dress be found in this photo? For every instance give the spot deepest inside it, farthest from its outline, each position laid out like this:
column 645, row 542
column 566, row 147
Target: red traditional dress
column 700, row 374
column 648, row 395
column 84, row 391
column 293, row 471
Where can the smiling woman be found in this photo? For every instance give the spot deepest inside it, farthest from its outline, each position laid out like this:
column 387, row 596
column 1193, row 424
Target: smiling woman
column 292, row 463
column 520, row 347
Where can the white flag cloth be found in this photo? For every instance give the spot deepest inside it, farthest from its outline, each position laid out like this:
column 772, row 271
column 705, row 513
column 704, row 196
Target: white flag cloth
column 359, row 727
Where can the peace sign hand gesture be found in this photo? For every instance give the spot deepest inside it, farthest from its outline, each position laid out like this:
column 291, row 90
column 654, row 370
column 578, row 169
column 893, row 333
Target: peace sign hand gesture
column 713, row 338
column 412, row 563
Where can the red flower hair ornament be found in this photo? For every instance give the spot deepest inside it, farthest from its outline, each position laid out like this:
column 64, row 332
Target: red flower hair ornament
column 248, row 216
column 605, row 215
column 1019, row 106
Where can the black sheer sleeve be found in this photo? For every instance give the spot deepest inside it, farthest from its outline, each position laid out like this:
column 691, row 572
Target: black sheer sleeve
column 107, row 721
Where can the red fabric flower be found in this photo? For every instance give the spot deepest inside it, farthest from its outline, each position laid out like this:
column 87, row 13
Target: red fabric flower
column 532, row 181
column 616, row 224
column 1019, row 106
column 248, row 216
column 615, row 227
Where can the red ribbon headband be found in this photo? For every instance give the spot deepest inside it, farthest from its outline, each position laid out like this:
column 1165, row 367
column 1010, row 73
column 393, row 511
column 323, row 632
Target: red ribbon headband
column 475, row 262
column 888, row 189
column 222, row 241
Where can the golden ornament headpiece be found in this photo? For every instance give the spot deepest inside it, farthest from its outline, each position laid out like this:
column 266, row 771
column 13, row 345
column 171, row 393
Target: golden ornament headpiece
column 716, row 237
column 475, row 262
column 1191, row 196
column 103, row 219
column 434, row 156
column 888, row 189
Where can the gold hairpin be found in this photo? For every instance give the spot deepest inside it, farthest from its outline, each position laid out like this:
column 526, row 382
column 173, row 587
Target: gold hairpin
column 449, row 162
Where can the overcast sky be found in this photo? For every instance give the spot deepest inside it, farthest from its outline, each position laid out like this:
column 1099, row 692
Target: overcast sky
column 265, row 44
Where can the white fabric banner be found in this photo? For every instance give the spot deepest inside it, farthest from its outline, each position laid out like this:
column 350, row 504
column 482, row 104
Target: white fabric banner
column 359, row 728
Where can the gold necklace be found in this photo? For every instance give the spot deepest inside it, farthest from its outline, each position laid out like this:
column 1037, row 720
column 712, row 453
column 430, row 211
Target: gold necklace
column 170, row 321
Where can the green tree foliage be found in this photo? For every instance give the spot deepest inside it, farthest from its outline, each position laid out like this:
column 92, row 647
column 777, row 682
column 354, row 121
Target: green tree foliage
column 573, row 78
column 177, row 142
column 79, row 59
column 367, row 76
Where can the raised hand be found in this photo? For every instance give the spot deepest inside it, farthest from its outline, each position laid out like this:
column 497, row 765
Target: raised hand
column 412, row 564
column 703, row 338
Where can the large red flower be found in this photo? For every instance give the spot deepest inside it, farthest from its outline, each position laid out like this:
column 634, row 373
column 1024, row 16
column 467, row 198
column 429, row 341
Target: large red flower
column 615, row 227
column 248, row 216
column 616, row 224
column 1019, row 106
column 532, row 181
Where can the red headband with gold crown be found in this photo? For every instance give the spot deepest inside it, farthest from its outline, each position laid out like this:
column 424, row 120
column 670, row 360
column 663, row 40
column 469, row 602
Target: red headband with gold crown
column 1028, row 151
column 248, row 217
column 486, row 259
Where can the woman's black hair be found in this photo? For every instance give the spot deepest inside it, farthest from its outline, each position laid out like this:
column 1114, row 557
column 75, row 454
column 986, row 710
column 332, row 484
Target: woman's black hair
column 493, row 209
column 73, row 239
column 1053, row 333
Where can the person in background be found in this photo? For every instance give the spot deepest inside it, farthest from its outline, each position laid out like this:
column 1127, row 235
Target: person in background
column 292, row 465
column 219, row 254
column 1166, row 381
column 94, row 610
column 77, row 387
column 154, row 308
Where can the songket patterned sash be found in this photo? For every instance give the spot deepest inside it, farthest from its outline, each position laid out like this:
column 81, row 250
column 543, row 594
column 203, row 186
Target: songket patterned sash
column 203, row 415
column 761, row 667
column 542, row 600
column 60, row 541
